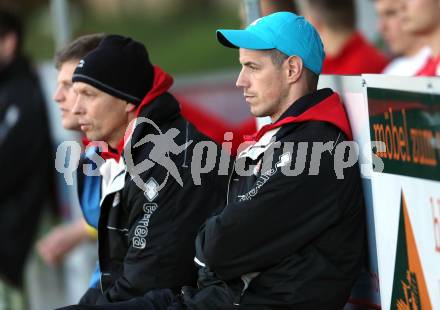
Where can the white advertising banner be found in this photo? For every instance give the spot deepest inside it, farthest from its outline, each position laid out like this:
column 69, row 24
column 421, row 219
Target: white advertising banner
column 401, row 186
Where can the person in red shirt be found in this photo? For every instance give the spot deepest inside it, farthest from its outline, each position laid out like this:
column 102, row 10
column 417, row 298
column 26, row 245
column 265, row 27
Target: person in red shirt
column 422, row 17
column 347, row 51
column 409, row 51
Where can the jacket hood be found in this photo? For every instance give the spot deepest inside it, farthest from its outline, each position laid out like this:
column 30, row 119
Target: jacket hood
column 330, row 110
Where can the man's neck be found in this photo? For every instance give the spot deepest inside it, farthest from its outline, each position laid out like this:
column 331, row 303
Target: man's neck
column 415, row 48
column 5, row 62
column 113, row 143
column 434, row 41
column 294, row 95
column 335, row 41
column 122, row 132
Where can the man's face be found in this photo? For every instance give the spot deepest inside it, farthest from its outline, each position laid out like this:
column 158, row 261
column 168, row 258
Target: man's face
column 101, row 116
column 390, row 26
column 264, row 85
column 8, row 48
column 65, row 96
column 421, row 16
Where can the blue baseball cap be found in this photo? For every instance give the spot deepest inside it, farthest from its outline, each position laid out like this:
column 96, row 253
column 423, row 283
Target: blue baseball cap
column 287, row 32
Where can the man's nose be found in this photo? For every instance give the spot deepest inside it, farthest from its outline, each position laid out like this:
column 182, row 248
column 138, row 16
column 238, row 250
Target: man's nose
column 58, row 96
column 78, row 106
column 242, row 80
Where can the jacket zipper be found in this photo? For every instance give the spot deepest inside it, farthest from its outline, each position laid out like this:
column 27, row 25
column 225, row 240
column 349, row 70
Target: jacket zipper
column 229, row 183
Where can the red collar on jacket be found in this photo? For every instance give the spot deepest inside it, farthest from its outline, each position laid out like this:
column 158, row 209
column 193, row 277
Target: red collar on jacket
column 430, row 67
column 161, row 84
column 330, row 110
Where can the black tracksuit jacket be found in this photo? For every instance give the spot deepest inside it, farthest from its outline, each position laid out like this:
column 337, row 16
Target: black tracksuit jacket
column 286, row 242
column 27, row 165
column 148, row 243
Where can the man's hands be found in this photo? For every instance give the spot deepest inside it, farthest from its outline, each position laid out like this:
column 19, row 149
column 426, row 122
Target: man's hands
column 61, row 240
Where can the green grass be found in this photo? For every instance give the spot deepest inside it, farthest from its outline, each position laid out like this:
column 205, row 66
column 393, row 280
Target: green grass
column 180, row 45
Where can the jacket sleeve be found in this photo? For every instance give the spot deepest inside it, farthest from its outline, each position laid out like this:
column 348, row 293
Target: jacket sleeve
column 24, row 135
column 285, row 213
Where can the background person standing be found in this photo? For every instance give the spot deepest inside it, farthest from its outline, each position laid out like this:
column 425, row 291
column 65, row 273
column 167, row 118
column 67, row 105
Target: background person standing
column 26, row 160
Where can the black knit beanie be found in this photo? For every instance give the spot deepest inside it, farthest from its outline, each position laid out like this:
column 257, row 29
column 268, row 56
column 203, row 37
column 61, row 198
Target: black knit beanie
column 120, row 67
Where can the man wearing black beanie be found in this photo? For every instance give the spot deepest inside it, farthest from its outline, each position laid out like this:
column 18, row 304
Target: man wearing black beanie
column 150, row 212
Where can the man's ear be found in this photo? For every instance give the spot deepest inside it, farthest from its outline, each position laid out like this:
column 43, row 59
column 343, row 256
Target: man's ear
column 130, row 107
column 295, row 68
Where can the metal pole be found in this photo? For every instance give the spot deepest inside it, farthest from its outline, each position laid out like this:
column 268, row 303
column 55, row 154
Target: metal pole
column 252, row 10
column 61, row 22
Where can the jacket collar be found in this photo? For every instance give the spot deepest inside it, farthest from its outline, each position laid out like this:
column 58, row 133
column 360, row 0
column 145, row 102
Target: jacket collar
column 322, row 105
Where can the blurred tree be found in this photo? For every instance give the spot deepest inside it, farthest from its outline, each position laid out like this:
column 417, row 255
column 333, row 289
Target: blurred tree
column 198, row 5
column 24, row 8
column 153, row 8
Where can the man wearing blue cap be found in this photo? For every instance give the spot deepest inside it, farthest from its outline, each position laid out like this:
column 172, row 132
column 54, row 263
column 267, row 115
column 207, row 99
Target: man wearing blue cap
column 286, row 239
column 291, row 235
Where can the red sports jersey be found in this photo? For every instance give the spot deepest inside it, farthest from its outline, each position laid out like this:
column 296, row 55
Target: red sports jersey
column 356, row 57
column 431, row 67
